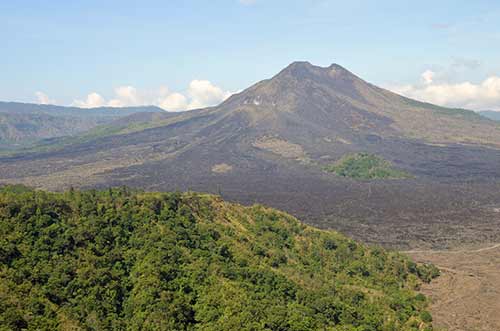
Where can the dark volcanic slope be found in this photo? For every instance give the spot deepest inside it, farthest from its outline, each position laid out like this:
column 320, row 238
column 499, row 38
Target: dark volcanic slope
column 271, row 142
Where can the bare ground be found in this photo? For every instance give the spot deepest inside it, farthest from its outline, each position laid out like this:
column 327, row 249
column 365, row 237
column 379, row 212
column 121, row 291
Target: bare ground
column 466, row 297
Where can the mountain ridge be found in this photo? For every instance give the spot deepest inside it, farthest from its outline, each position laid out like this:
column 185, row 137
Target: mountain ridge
column 119, row 259
column 25, row 124
column 336, row 89
column 50, row 109
column 491, row 114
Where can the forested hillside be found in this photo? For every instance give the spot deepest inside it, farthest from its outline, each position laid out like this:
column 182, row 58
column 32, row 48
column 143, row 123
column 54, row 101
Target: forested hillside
column 24, row 125
column 125, row 260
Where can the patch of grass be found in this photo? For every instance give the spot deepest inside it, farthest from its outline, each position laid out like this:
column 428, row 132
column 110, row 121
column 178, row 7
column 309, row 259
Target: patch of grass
column 365, row 166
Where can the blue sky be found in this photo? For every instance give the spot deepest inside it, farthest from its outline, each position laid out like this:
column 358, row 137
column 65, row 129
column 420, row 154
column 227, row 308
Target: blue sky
column 134, row 52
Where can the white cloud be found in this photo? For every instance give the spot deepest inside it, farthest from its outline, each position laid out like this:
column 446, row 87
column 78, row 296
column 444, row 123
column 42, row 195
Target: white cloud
column 203, row 93
column 174, row 102
column 476, row 96
column 43, row 99
column 93, row 100
column 428, row 76
column 200, row 94
column 125, row 96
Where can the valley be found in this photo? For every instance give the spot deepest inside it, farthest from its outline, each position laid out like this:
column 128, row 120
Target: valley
column 465, row 296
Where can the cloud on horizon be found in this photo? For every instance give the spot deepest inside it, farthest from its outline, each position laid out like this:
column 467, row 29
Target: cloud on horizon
column 199, row 94
column 437, row 87
column 484, row 95
column 43, row 99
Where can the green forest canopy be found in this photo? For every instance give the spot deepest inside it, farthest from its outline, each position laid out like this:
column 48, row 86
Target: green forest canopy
column 123, row 260
column 365, row 166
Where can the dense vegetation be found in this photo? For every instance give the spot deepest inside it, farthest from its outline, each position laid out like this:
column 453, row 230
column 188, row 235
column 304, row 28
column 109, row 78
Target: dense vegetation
column 365, row 166
column 122, row 260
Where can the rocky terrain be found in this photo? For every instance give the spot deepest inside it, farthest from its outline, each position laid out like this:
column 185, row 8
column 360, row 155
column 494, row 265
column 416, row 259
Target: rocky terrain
column 465, row 296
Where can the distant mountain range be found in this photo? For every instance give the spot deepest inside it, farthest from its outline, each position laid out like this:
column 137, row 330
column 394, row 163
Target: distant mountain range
column 494, row 115
column 23, row 124
column 272, row 142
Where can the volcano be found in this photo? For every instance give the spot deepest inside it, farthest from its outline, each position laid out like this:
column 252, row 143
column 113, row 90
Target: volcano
column 272, row 142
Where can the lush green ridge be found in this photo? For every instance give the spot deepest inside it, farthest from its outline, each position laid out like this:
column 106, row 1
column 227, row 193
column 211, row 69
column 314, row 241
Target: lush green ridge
column 456, row 112
column 121, row 260
column 365, row 166
column 26, row 128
